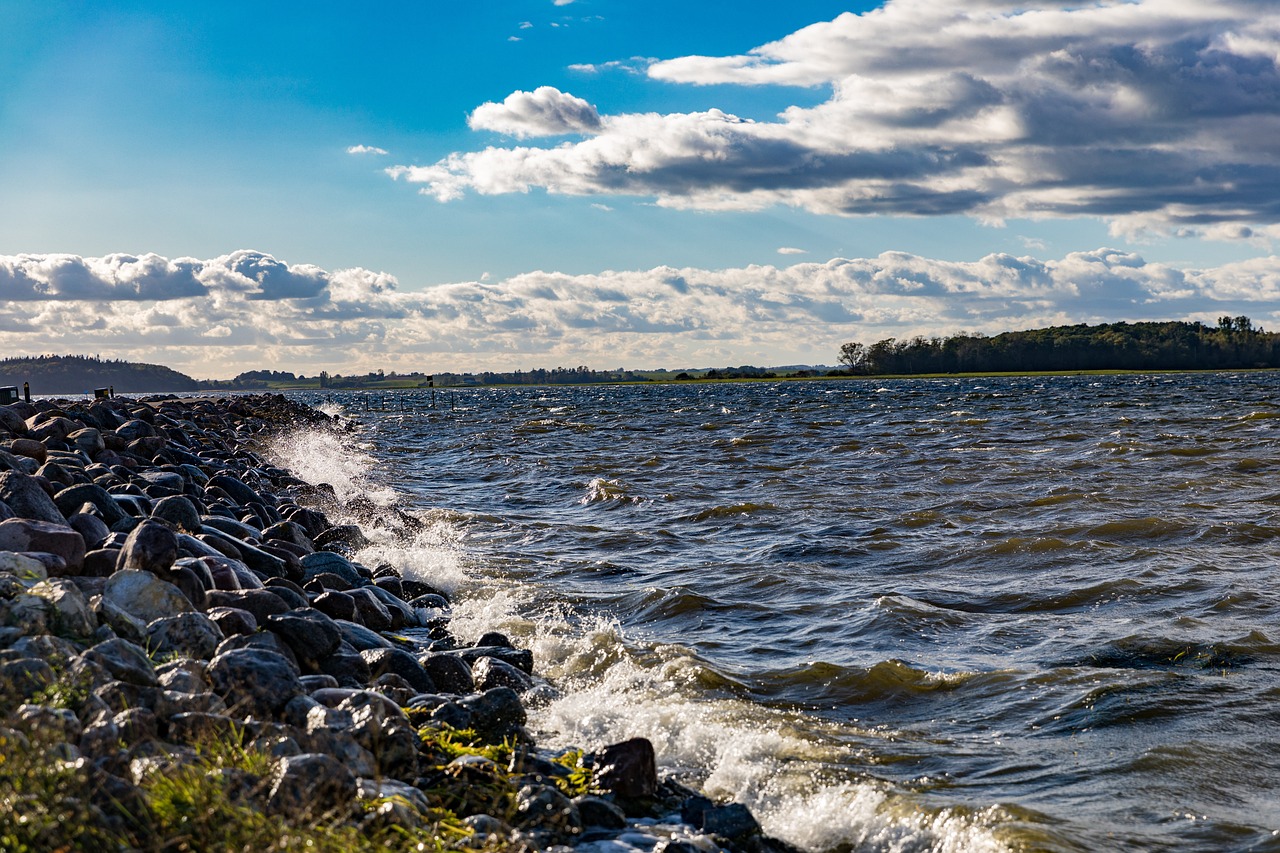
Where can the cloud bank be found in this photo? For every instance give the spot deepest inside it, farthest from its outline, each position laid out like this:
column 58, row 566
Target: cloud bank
column 1155, row 115
column 247, row 310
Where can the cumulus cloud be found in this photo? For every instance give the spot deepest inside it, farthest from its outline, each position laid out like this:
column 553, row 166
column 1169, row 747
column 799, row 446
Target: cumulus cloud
column 791, row 250
column 546, row 111
column 366, row 149
column 1157, row 114
column 247, row 309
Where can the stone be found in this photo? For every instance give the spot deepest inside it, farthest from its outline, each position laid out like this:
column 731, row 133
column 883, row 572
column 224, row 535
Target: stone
column 136, row 725
column 233, row 620
column 29, row 614
column 628, row 769
column 254, row 681
column 347, row 667
column 328, row 562
column 370, row 610
column 179, row 511
column 235, row 489
column 27, row 534
column 151, row 547
column 733, row 821
column 23, row 678
column 288, row 531
column 22, row 566
column 489, row 672
column 597, row 811
column 497, row 714
column 336, row 605
column 544, row 807
column 448, row 672
column 132, row 430
column 71, row 615
column 91, row 528
column 13, row 421
column 360, row 637
column 262, row 641
column 188, row 634
column 520, row 658
column 199, row 728
column 291, row 597
column 401, row 663
column 70, row 499
column 144, row 596
column 312, row 635
column 383, row 729
column 100, row 562
column 88, row 441
column 402, row 615
column 28, row 499
column 30, row 448
column 311, row 786
column 122, row 660
column 260, row 602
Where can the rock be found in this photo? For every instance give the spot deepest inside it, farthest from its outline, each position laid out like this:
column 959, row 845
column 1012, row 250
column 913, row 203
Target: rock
column 311, row 787
column 402, row 615
column 100, row 562
column 370, row 609
column 29, row 614
column 493, row 638
column 200, row 728
column 522, row 659
column 254, row 681
column 489, row 672
column 88, row 441
column 30, row 448
column 336, row 605
column 544, row 807
column 287, row 531
column 261, row 641
column 136, row 725
column 349, row 535
column 25, row 496
column 597, row 811
column 293, row 599
column 733, row 821
column 23, row 566
column 13, row 421
column 312, row 635
column 347, row 667
column 27, row 534
column 70, row 499
column 188, row 634
column 91, row 529
column 328, row 562
column 236, row 489
column 233, row 620
column 261, row 603
column 449, row 672
column 360, row 637
column 132, row 430
column 23, row 678
column 628, row 769
column 383, row 729
column 71, row 616
column 122, row 660
column 151, row 547
column 179, row 511
column 144, row 596
column 498, row 714
column 401, row 663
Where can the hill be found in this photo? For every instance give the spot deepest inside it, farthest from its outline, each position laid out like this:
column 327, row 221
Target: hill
column 78, row 374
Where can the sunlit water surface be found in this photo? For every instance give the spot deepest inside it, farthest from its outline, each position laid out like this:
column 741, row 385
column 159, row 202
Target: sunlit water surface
column 970, row 614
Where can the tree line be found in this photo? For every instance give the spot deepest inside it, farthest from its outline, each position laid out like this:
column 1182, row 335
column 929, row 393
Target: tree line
column 1235, row 343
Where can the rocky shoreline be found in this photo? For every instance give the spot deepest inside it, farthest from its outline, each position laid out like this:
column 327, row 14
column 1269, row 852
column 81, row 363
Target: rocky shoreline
column 192, row 657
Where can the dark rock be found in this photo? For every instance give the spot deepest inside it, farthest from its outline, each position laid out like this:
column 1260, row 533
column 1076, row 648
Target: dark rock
column 151, row 547
column 122, row 660
column 328, row 562
column 496, row 713
column 180, row 512
column 493, row 638
column 311, row 787
column 401, row 663
column 347, row 666
column 312, row 635
column 101, row 562
column 27, row 534
column 288, row 531
column 91, row 529
column 401, row 614
column 200, row 728
column 21, row 679
column 70, row 499
column 254, row 681
column 260, row 602
column 236, row 489
column 733, row 821
column 544, row 807
column 192, row 585
column 136, row 725
column 519, row 658
column 369, row 608
column 233, row 620
column 360, row 637
column 628, row 769
column 394, row 586
column 144, row 596
column 597, row 811
column 450, row 673
column 337, row 605
column 263, row 641
column 348, row 535
column 489, row 672
column 26, row 496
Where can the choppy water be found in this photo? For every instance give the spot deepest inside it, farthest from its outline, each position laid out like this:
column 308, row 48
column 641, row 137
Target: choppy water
column 972, row 614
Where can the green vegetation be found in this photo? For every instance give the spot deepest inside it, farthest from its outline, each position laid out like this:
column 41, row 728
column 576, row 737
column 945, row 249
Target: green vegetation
column 1233, row 344
column 79, row 374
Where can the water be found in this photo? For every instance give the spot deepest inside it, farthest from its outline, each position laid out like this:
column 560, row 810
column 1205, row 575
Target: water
column 971, row 614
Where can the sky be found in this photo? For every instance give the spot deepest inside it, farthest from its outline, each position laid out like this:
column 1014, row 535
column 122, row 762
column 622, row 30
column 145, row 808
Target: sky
column 412, row 186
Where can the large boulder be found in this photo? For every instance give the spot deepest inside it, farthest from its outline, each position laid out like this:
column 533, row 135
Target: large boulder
column 151, row 547
column 144, row 596
column 187, row 634
column 311, row 786
column 254, row 681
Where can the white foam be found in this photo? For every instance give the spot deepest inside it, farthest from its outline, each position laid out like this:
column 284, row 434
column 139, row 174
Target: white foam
column 319, row 456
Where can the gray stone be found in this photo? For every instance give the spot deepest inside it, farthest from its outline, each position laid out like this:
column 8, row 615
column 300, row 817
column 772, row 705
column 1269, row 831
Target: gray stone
column 544, row 807
column 28, row 499
column 71, row 616
column 24, row 567
column 22, row 679
column 733, row 821
column 254, row 681
column 151, row 547
column 122, row 660
column 262, row 641
column 179, row 511
column 91, row 529
column 360, row 637
column 144, row 596
column 629, row 769
column 496, row 713
column 189, row 634
column 239, row 492
column 70, row 499
column 520, row 658
column 88, row 441
column 261, row 603
column 597, row 811
column 28, row 534
column 233, row 620
column 311, row 786
column 370, row 609
column 401, row 663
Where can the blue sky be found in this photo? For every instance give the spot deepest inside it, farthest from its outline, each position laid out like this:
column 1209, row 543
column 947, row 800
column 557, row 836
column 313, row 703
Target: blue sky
column 228, row 186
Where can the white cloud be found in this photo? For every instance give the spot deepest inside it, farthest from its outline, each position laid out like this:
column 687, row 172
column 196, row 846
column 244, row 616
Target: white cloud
column 546, row 111
column 1159, row 114
column 366, row 149
column 245, row 309
column 791, row 250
